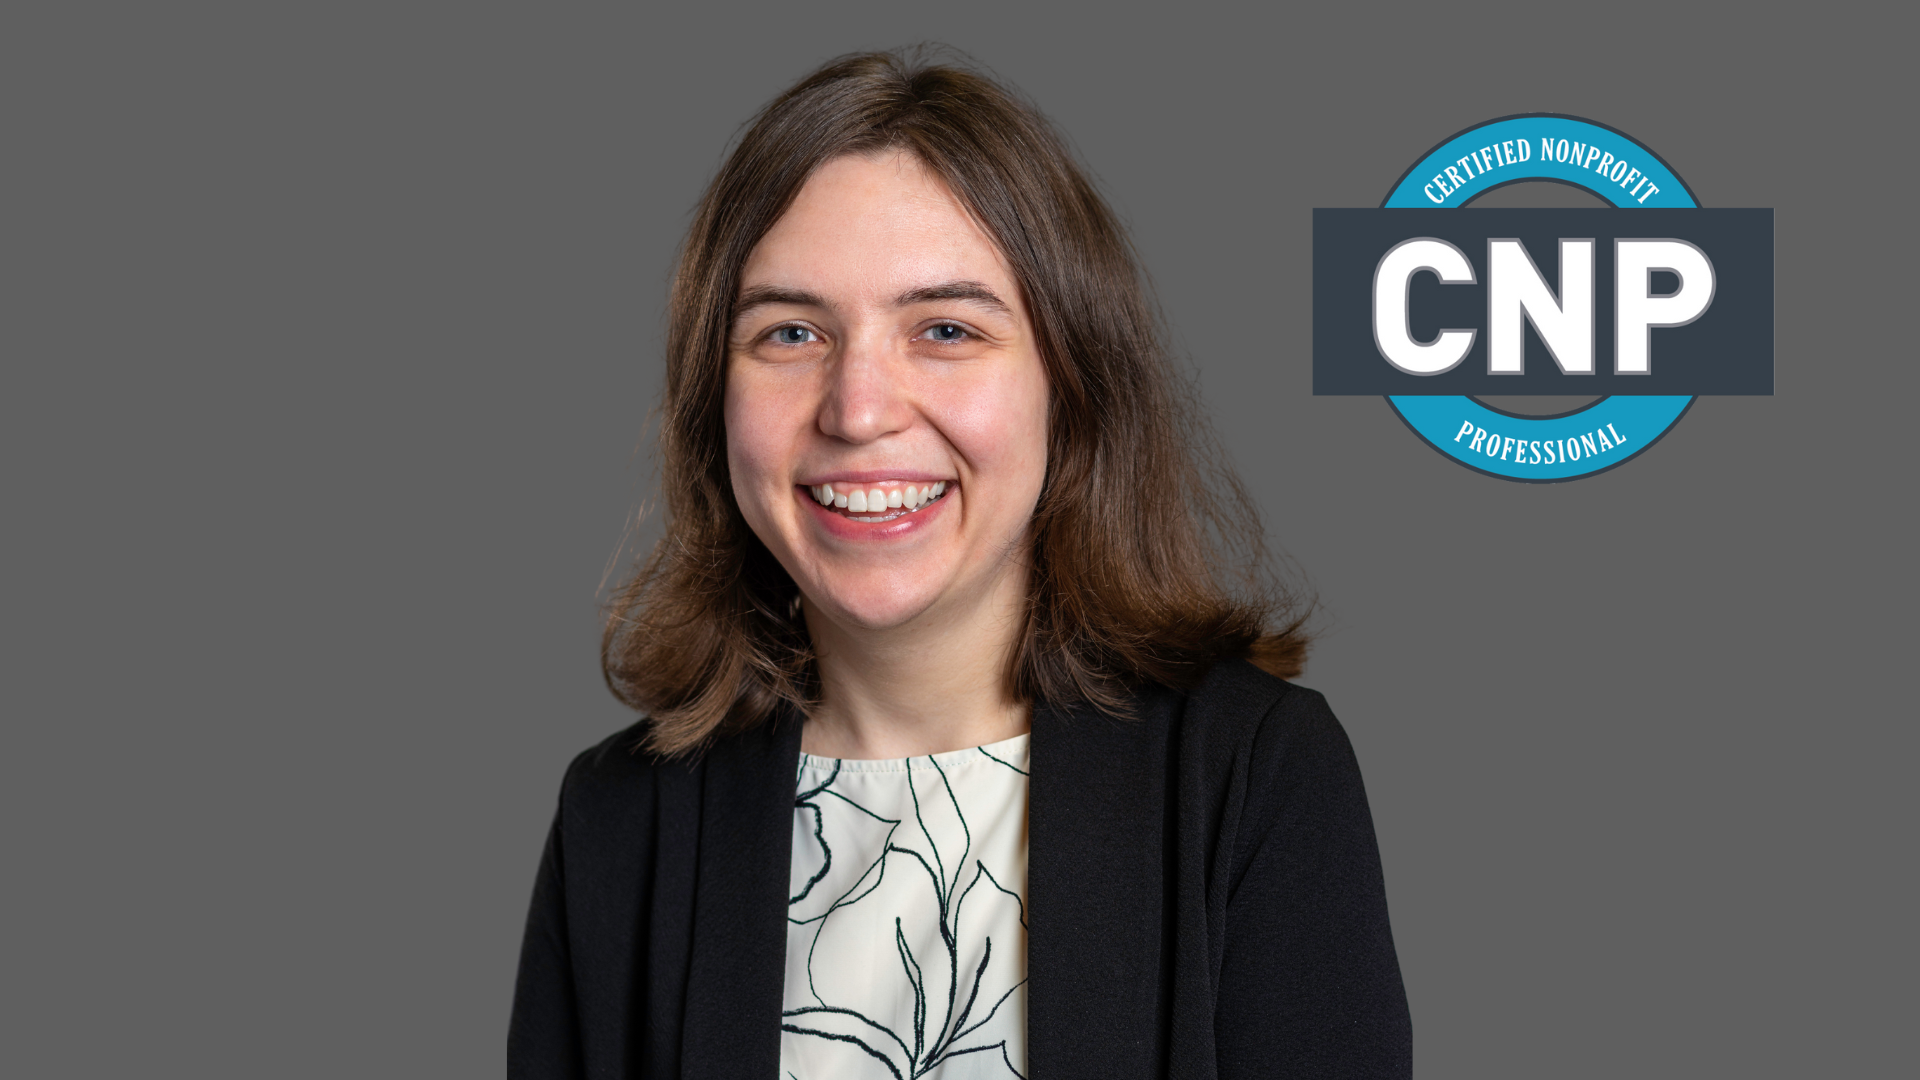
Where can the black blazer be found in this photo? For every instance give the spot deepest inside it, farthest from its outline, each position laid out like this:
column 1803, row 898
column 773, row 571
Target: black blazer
column 1204, row 900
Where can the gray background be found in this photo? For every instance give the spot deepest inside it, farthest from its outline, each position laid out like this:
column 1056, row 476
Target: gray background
column 330, row 331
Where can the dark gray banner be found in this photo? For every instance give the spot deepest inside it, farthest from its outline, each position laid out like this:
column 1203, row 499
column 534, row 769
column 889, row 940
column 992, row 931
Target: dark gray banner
column 1543, row 301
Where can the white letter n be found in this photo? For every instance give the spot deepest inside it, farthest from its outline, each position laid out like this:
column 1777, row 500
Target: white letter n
column 1515, row 290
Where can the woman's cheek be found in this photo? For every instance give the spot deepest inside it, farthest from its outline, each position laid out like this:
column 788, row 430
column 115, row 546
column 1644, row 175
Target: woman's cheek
column 756, row 448
column 1000, row 421
column 1012, row 431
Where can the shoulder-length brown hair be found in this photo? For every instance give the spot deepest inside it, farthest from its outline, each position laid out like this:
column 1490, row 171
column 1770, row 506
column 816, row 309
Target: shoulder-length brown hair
column 1147, row 558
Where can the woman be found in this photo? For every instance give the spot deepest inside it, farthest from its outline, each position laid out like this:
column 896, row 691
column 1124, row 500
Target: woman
column 965, row 753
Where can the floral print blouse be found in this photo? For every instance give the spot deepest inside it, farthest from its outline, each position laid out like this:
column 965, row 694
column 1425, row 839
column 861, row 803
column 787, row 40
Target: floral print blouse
column 906, row 923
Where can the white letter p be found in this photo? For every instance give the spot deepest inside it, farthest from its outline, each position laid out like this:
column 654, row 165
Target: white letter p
column 1637, row 310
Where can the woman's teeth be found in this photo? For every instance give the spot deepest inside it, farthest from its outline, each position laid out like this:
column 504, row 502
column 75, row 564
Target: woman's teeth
column 868, row 500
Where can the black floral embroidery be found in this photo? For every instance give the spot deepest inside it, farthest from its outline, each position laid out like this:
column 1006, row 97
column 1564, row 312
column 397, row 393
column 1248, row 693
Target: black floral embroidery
column 923, row 875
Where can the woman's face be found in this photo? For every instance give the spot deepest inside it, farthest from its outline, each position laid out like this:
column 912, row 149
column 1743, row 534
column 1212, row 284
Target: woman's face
column 882, row 350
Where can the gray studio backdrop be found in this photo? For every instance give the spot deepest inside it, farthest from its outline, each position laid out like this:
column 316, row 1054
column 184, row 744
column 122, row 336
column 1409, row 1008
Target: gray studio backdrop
column 331, row 330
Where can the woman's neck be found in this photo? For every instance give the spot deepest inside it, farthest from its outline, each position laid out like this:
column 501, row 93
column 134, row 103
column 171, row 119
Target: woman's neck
column 935, row 684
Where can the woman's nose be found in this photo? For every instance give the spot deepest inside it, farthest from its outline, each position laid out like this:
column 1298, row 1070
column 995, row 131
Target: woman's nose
column 866, row 394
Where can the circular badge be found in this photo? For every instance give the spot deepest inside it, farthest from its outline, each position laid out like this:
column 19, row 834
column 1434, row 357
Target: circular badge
column 1593, row 157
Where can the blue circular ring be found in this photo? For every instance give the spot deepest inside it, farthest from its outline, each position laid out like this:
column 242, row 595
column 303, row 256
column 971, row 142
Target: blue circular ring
column 1579, row 439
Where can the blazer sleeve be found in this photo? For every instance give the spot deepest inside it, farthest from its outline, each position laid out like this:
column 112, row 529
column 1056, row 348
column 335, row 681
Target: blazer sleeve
column 1309, row 984
column 543, row 1040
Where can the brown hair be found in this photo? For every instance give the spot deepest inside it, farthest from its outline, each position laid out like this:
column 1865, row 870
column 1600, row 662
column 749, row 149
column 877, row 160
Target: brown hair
column 1148, row 562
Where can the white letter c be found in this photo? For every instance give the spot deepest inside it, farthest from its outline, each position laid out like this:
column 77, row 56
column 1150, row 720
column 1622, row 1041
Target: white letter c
column 1393, row 281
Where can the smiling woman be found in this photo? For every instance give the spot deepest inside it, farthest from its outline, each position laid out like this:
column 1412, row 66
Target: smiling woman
column 967, row 746
column 886, row 410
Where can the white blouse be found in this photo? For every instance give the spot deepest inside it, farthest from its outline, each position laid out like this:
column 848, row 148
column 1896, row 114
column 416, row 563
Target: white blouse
column 906, row 923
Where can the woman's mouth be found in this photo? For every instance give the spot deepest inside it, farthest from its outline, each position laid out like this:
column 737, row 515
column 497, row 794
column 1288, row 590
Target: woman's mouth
column 880, row 501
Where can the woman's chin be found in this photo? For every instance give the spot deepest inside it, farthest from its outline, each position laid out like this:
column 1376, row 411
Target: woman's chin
column 883, row 607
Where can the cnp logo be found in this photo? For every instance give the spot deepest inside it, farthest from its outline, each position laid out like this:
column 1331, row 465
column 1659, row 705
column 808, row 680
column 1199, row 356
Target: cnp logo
column 1648, row 310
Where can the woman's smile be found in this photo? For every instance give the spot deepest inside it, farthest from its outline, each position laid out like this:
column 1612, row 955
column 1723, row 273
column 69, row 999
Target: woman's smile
column 879, row 501
column 878, row 498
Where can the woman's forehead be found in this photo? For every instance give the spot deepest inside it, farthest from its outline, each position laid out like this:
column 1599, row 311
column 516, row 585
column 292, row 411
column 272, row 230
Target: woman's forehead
column 872, row 229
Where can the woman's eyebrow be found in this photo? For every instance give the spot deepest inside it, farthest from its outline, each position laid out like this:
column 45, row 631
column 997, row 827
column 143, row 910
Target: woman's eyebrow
column 761, row 295
column 954, row 290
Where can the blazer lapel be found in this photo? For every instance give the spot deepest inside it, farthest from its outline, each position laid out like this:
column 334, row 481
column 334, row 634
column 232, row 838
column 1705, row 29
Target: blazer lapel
column 738, row 968
column 1096, row 881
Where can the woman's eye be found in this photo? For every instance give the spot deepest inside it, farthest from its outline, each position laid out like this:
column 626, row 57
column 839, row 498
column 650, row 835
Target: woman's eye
column 946, row 332
column 793, row 335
